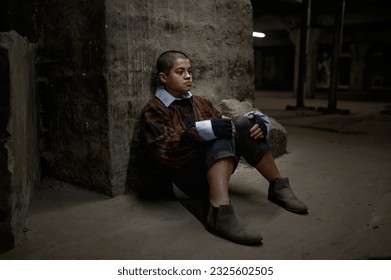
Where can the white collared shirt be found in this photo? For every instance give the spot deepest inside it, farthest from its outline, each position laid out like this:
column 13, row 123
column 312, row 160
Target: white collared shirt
column 167, row 98
column 204, row 128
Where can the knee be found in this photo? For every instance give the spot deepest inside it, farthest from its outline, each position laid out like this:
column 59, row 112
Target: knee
column 218, row 149
column 242, row 123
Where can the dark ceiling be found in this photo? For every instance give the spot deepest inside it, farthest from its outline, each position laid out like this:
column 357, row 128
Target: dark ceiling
column 282, row 14
column 293, row 6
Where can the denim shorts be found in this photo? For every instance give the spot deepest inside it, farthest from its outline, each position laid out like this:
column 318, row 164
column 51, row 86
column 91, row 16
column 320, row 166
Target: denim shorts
column 192, row 179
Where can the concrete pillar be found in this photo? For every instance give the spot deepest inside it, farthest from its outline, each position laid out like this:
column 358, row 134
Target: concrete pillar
column 311, row 55
column 19, row 152
column 217, row 35
column 294, row 36
column 71, row 71
column 358, row 52
column 95, row 70
column 314, row 35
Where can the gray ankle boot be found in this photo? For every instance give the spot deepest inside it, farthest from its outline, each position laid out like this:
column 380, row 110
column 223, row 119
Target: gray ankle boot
column 224, row 222
column 281, row 194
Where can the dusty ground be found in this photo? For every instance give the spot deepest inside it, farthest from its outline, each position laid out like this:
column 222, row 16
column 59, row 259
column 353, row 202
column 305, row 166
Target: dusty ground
column 339, row 165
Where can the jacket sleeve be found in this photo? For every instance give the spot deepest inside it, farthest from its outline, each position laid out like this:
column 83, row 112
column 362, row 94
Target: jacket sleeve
column 168, row 146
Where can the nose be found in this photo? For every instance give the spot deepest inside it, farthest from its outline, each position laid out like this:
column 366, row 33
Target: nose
column 188, row 75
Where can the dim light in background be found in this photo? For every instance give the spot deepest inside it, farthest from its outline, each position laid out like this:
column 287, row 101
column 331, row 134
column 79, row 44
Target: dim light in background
column 259, row 34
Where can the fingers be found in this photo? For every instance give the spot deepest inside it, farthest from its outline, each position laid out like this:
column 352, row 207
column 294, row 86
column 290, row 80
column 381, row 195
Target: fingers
column 256, row 132
column 233, row 129
column 233, row 126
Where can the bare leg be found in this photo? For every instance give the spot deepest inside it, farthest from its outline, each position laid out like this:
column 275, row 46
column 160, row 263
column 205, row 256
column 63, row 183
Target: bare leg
column 222, row 219
column 218, row 178
column 268, row 168
column 280, row 191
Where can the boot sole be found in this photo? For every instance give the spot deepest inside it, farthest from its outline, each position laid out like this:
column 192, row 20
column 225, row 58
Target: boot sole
column 296, row 211
column 249, row 242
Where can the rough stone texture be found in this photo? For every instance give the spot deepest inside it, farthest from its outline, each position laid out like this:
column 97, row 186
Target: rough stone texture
column 19, row 153
column 73, row 92
column 217, row 35
column 95, row 72
column 278, row 136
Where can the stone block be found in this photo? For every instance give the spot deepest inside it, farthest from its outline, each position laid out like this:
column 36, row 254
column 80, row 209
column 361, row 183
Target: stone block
column 19, row 153
column 72, row 89
column 96, row 66
column 278, row 137
column 217, row 36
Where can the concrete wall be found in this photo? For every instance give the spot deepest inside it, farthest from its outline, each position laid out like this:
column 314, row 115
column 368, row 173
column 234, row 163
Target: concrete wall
column 217, row 35
column 73, row 92
column 94, row 73
column 19, row 152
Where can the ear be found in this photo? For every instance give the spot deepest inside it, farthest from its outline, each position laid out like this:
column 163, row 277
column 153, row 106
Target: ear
column 163, row 77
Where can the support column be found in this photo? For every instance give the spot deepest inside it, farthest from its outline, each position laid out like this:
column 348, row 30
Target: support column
column 305, row 22
column 337, row 43
column 19, row 152
column 302, row 77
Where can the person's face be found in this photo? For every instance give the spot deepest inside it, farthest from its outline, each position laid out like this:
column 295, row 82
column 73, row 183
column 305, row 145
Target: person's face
column 179, row 80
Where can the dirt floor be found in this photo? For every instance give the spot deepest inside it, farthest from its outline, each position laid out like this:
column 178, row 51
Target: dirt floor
column 340, row 165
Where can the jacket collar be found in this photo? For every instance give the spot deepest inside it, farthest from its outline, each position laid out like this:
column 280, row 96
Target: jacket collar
column 167, row 99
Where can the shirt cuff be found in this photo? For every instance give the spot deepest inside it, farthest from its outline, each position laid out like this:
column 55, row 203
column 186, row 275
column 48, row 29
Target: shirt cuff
column 205, row 130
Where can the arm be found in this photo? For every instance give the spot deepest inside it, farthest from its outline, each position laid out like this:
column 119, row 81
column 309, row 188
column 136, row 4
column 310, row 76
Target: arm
column 172, row 140
column 211, row 124
column 220, row 127
column 169, row 144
